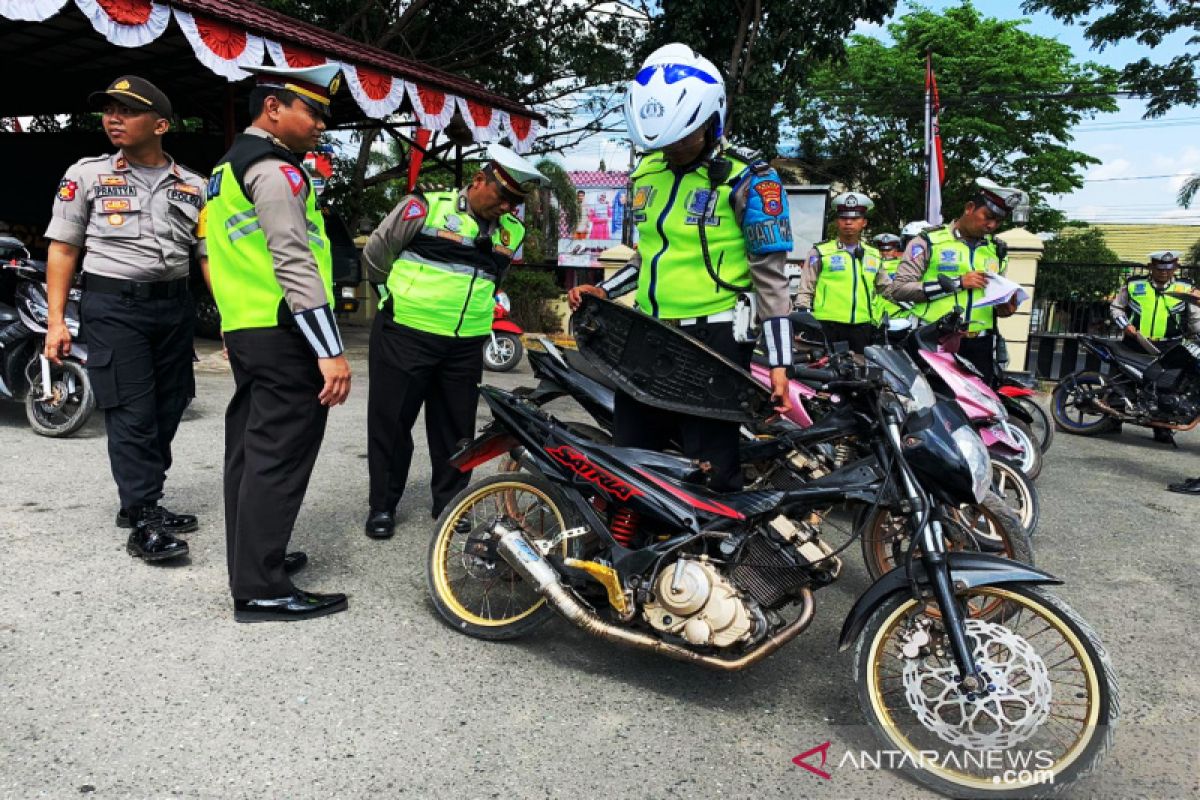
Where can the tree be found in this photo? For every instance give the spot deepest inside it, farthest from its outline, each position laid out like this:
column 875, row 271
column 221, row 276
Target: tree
column 1009, row 99
column 766, row 49
column 1148, row 22
column 1069, row 268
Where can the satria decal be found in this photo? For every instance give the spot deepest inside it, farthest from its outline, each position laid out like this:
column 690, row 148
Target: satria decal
column 578, row 463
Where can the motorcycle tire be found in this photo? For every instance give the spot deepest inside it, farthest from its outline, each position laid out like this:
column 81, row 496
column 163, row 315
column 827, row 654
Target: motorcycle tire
column 72, row 403
column 1034, row 634
column 1067, row 397
column 455, row 576
column 504, row 353
column 1018, row 493
column 1042, row 426
column 884, row 542
column 1030, row 460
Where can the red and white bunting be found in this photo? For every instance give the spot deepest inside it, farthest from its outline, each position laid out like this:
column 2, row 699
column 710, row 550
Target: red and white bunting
column 30, row 10
column 285, row 55
column 127, row 23
column 523, row 131
column 433, row 108
column 220, row 46
column 486, row 123
column 377, row 93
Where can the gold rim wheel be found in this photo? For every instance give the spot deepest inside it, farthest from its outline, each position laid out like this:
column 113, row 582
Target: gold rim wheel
column 477, row 590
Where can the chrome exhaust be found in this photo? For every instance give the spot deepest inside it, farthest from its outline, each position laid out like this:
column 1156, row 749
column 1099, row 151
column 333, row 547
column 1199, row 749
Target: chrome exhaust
column 520, row 554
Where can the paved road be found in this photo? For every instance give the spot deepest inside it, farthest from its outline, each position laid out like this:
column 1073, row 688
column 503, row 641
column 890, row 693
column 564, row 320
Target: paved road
column 119, row 679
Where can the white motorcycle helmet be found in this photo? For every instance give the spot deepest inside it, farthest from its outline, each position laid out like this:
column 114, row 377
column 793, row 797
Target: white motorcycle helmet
column 674, row 93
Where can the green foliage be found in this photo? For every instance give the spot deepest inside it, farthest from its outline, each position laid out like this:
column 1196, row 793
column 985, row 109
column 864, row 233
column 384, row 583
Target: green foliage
column 1070, row 267
column 1009, row 100
column 530, row 291
column 542, row 210
column 1148, row 22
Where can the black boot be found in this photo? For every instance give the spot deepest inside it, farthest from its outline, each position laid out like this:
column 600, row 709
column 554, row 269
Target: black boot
column 148, row 540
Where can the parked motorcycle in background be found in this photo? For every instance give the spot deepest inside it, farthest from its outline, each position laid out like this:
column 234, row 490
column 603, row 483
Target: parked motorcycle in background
column 503, row 349
column 58, row 397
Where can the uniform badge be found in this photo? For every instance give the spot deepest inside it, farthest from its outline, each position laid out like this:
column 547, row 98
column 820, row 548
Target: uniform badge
column 641, row 198
column 992, row 265
column 180, row 196
column 113, row 180
column 121, row 163
column 294, row 178
column 813, row 259
column 772, row 196
column 187, row 188
column 949, row 257
column 113, row 205
column 414, row 209
column 837, row 263
column 116, row 220
column 67, row 190
column 505, row 237
column 453, row 223
column 214, row 185
column 917, row 250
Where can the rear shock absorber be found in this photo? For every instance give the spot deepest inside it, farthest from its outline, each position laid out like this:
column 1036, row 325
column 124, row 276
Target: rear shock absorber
column 624, row 525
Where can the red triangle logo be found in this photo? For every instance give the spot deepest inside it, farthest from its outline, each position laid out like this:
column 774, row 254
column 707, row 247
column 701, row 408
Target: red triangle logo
column 801, row 760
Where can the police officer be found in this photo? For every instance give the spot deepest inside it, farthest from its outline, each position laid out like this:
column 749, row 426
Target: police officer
column 441, row 257
column 966, row 252
column 272, row 279
column 891, row 251
column 841, row 278
column 135, row 213
column 712, row 226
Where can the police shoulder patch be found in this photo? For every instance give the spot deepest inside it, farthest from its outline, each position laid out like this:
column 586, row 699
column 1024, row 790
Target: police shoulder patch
column 413, row 209
column 917, row 250
column 294, row 178
column 67, row 190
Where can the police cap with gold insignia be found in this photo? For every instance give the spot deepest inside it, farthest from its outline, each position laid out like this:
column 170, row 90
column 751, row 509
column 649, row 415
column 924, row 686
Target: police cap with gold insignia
column 316, row 86
column 1001, row 200
column 887, row 241
column 516, row 174
column 852, row 204
column 134, row 92
column 1164, row 259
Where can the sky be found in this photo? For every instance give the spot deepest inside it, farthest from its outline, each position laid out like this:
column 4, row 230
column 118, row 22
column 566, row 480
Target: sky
column 1143, row 162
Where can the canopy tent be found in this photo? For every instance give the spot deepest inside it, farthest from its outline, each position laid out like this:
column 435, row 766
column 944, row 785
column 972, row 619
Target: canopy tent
column 69, row 48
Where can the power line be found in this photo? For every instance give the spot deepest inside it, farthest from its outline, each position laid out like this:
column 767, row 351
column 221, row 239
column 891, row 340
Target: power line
column 1140, row 177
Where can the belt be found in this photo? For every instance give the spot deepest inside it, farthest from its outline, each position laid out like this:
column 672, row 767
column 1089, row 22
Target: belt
column 974, row 334
column 720, row 316
column 142, row 290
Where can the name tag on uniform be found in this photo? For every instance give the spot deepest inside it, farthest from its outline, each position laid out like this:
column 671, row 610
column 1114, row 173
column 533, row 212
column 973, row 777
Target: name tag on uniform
column 115, row 191
column 112, row 205
column 837, row 263
column 183, row 193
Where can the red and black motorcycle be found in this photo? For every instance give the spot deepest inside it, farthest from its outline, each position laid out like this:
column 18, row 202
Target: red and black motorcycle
column 962, row 661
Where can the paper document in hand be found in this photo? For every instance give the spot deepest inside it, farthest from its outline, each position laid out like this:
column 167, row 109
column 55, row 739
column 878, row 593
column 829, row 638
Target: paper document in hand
column 1000, row 290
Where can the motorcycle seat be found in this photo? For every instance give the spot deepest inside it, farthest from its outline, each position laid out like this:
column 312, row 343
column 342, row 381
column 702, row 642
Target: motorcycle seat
column 8, row 313
column 1137, row 357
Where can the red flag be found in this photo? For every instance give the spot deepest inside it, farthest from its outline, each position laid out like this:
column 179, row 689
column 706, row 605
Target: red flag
column 935, row 167
column 416, row 155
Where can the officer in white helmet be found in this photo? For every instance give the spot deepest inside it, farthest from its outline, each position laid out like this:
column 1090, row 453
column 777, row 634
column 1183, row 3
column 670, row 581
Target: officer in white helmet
column 714, row 236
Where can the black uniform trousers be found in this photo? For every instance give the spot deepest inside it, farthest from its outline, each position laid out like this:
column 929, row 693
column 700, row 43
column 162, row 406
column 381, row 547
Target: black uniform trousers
column 981, row 351
column 859, row 335
column 408, row 369
column 140, row 367
column 713, row 440
column 273, row 431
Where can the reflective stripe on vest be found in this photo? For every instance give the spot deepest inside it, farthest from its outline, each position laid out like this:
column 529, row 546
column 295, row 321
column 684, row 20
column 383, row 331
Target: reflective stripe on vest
column 241, row 266
column 846, row 286
column 442, row 283
column 673, row 282
column 954, row 258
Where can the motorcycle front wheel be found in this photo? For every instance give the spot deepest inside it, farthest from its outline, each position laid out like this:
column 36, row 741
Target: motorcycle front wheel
column 1018, row 493
column 69, row 405
column 1046, row 719
column 504, row 353
column 473, row 589
column 1042, row 426
column 1072, row 404
column 1030, row 459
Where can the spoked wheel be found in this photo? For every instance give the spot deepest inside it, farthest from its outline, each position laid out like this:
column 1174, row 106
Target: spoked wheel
column 1074, row 408
column 503, row 352
column 472, row 587
column 1046, row 718
column 1018, row 493
column 990, row 527
column 1042, row 426
column 69, row 405
column 1030, row 460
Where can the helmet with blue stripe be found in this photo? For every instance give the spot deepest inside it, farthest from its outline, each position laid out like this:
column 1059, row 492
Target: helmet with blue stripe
column 676, row 92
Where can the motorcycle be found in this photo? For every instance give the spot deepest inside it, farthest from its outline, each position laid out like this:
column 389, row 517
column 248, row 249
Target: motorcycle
column 624, row 544
column 504, row 348
column 58, row 397
column 1017, row 390
column 1153, row 390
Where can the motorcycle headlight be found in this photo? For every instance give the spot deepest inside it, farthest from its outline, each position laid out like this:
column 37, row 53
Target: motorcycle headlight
column 976, row 455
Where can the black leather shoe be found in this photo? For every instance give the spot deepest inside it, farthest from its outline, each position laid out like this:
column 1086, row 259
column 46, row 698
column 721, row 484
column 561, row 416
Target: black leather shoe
column 296, row 606
column 172, row 523
column 1164, row 436
column 1190, row 486
column 380, row 524
column 149, row 541
column 294, row 562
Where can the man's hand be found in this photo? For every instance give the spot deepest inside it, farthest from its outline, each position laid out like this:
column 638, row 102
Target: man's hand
column 974, row 280
column 1007, row 309
column 779, row 390
column 336, row 371
column 58, row 341
column 575, row 296
column 1131, row 330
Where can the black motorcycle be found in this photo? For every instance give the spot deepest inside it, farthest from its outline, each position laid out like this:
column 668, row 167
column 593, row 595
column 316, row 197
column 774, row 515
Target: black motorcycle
column 58, row 397
column 963, row 663
column 1158, row 389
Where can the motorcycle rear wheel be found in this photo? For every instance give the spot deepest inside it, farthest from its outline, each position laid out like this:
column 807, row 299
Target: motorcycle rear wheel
column 1050, row 716
column 478, row 594
column 1068, row 400
column 504, row 353
column 1042, row 426
column 72, row 401
column 1030, row 459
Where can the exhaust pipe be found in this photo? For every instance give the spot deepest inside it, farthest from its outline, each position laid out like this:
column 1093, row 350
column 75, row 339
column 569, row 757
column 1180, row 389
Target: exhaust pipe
column 523, row 557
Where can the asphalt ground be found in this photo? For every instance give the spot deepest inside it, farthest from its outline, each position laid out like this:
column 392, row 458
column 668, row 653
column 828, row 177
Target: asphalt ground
column 121, row 679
